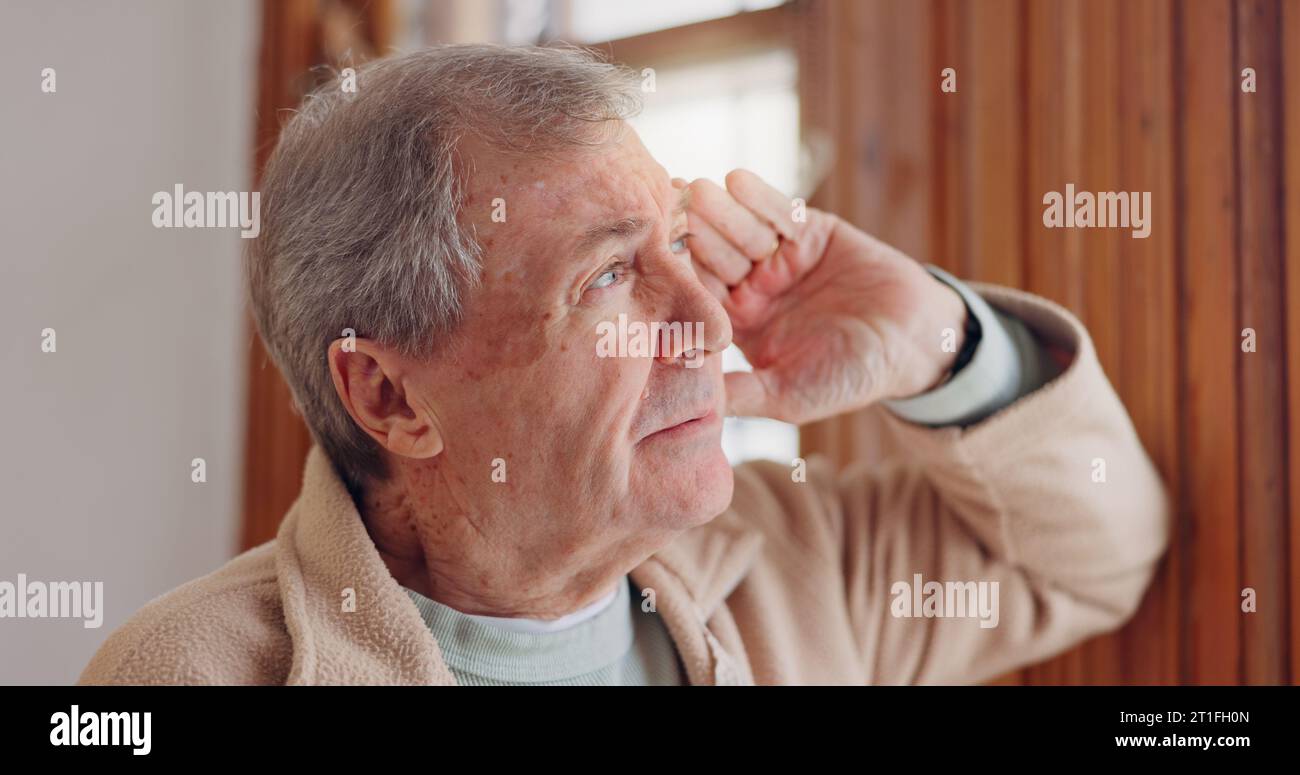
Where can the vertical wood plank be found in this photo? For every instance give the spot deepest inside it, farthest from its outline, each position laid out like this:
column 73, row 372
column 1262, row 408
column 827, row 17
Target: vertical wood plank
column 1263, row 392
column 1291, row 232
column 949, row 214
column 1101, row 270
column 1210, row 345
column 889, row 88
column 1149, row 351
column 994, row 154
column 1053, row 141
column 910, row 104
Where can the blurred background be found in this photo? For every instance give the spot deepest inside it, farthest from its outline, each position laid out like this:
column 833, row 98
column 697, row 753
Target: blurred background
column 836, row 101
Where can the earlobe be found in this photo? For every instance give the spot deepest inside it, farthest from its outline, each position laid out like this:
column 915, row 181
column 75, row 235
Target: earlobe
column 425, row 442
column 368, row 380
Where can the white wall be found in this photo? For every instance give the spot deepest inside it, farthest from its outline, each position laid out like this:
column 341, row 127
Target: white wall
column 97, row 438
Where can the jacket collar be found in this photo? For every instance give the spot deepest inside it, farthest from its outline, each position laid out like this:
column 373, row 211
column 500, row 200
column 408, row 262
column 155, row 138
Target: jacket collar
column 351, row 623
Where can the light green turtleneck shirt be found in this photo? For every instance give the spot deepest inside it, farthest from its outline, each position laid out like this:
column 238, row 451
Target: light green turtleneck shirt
column 620, row 645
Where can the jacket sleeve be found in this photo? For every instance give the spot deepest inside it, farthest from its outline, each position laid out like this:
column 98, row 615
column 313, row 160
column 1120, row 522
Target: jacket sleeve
column 1050, row 509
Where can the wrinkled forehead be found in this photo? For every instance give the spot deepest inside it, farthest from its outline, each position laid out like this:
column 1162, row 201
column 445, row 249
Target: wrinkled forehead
column 548, row 201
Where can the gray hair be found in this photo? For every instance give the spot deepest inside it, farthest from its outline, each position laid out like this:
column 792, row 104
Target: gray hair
column 360, row 202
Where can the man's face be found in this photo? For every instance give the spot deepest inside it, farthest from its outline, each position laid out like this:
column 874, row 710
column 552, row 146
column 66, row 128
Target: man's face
column 595, row 451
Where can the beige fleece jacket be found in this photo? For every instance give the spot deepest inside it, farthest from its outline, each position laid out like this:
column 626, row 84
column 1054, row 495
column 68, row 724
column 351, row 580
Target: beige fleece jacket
column 794, row 584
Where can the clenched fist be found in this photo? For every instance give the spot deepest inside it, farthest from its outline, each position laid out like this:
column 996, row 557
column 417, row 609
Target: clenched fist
column 831, row 319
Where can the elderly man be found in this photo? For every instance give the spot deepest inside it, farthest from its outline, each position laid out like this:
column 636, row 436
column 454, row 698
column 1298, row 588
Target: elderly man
column 494, row 498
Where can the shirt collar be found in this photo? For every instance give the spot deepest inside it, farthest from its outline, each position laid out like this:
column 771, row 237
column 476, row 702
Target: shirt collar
column 470, row 644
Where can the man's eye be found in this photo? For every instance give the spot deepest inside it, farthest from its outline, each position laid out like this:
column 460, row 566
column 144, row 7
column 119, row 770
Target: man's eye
column 678, row 245
column 608, row 277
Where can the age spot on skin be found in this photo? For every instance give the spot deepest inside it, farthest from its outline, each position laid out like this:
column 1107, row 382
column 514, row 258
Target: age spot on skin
column 516, row 342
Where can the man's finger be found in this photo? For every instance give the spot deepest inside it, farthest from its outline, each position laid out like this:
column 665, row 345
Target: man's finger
column 767, row 203
column 711, row 249
column 747, row 395
column 715, row 286
column 754, row 238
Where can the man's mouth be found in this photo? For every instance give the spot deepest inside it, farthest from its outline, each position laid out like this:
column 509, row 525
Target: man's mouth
column 700, row 421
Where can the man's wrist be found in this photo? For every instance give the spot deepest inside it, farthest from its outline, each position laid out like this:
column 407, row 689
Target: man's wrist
column 957, row 341
column 988, row 381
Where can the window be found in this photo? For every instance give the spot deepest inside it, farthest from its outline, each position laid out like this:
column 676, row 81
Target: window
column 593, row 21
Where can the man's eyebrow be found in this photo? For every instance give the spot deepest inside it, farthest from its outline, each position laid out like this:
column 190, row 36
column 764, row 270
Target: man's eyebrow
column 593, row 236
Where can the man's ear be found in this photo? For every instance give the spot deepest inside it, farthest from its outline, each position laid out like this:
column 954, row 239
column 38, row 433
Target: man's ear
column 368, row 381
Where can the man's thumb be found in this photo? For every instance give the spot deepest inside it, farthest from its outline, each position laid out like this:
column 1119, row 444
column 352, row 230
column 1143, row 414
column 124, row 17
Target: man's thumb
column 747, row 394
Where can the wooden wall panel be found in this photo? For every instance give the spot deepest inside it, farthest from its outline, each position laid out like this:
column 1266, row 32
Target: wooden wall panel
column 1263, row 458
column 1290, row 30
column 1123, row 96
column 1209, row 545
column 993, row 155
column 1050, row 111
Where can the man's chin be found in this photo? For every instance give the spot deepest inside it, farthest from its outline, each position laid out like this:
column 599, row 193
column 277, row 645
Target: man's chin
column 717, row 483
column 692, row 488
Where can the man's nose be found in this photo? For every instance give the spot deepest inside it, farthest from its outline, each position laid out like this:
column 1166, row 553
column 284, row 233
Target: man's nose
column 705, row 326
